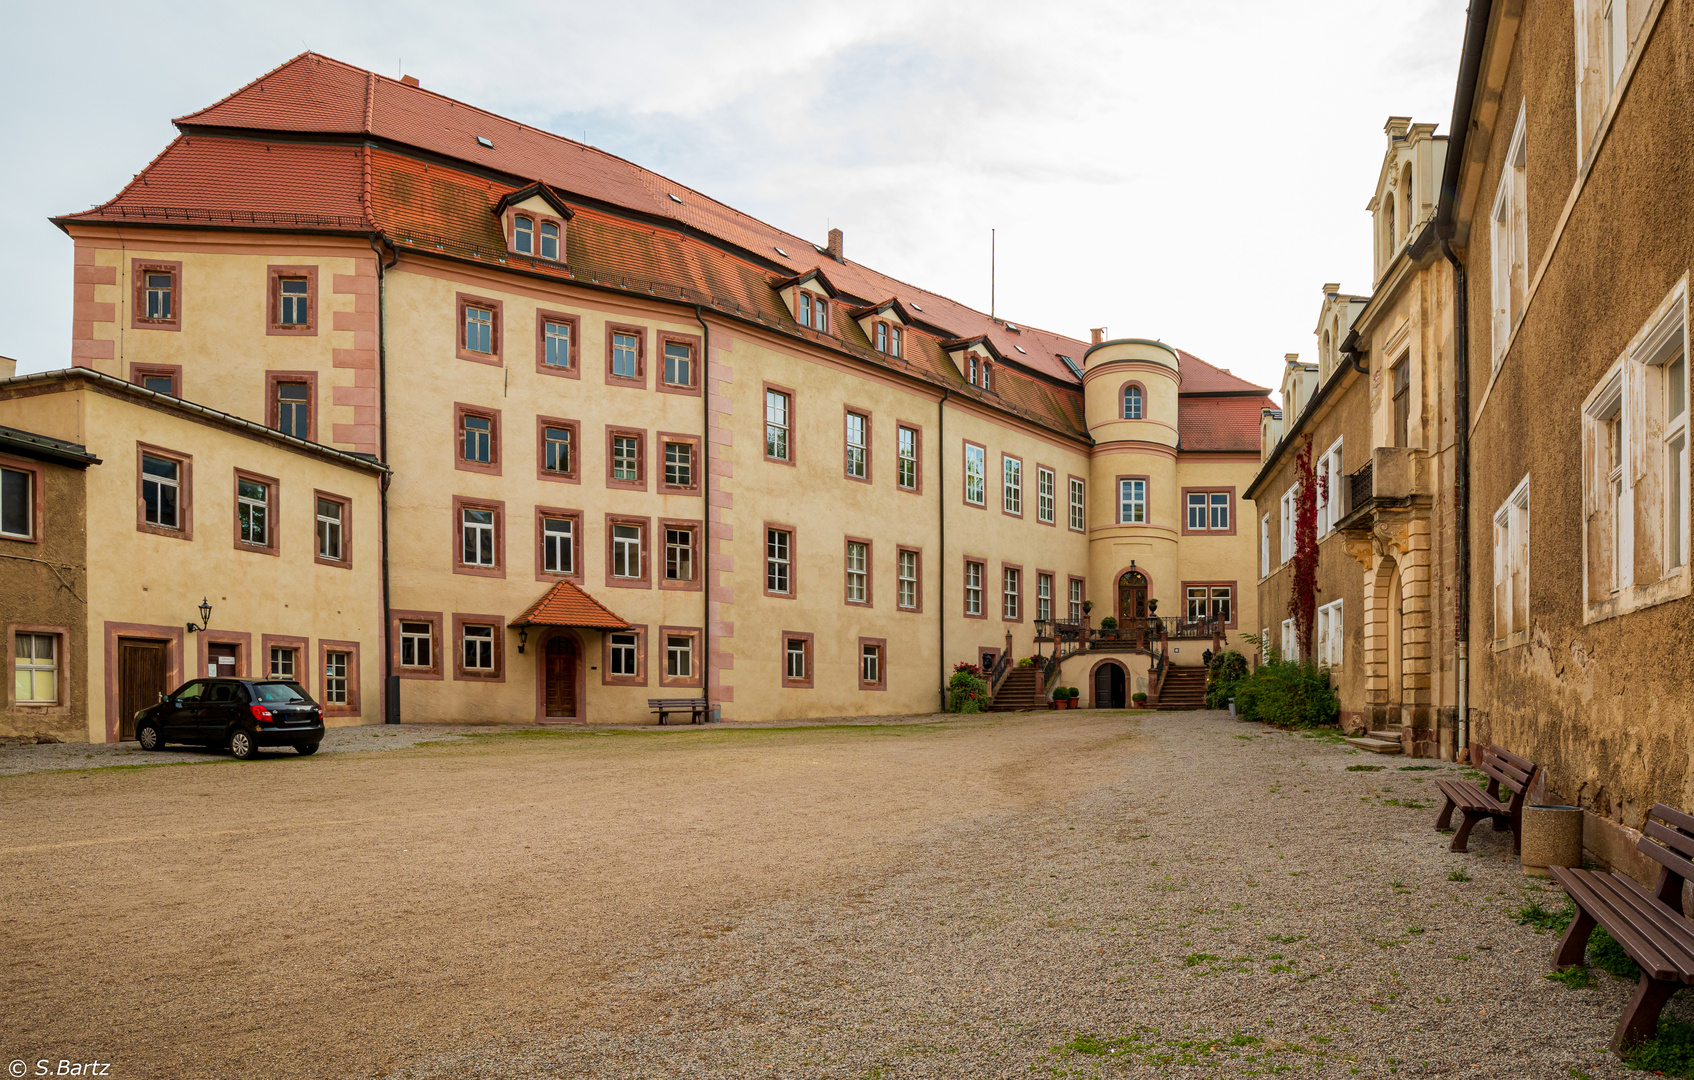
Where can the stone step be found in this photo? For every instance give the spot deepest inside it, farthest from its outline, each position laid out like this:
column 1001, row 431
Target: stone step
column 1376, row 743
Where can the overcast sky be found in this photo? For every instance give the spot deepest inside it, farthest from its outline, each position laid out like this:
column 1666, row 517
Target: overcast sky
column 1190, row 172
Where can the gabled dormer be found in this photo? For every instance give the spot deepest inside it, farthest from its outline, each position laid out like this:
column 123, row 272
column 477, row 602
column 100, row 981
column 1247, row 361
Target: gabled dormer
column 886, row 324
column 976, row 358
column 532, row 219
column 808, row 297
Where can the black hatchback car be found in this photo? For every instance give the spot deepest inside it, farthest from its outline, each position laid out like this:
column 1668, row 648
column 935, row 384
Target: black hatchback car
column 239, row 714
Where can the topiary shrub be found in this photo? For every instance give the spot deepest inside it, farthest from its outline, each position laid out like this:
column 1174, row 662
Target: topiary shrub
column 1139, row 697
column 1108, row 623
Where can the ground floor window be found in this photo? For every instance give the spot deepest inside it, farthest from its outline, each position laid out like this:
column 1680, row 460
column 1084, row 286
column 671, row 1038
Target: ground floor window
column 679, row 656
column 796, row 659
column 335, row 672
column 624, row 655
column 415, row 650
column 870, row 664
column 1329, row 635
column 36, row 681
column 282, row 663
column 479, row 649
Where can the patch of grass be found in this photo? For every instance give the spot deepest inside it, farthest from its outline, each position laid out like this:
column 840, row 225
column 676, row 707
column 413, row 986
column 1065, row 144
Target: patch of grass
column 1366, row 768
column 1458, row 875
column 1575, row 977
column 1194, row 959
column 1417, row 768
column 1544, row 919
column 1328, row 735
column 1670, row 1052
column 1285, row 939
column 1606, row 954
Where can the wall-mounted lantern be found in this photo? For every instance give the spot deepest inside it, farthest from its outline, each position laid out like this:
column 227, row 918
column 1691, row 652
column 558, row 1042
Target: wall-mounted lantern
column 523, row 637
column 205, row 616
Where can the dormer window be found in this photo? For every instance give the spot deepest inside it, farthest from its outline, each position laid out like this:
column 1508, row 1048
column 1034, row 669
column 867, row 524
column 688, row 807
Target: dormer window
column 805, row 309
column 533, row 219
column 987, row 375
column 973, row 371
column 820, row 314
column 549, row 241
column 881, row 337
column 894, row 341
column 523, row 235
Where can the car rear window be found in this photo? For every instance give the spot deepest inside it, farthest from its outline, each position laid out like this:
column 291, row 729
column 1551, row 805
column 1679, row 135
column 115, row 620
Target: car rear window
column 279, row 691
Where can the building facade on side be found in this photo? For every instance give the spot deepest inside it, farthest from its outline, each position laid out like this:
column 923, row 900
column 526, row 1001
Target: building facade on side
column 1576, row 122
column 641, row 445
column 1376, row 417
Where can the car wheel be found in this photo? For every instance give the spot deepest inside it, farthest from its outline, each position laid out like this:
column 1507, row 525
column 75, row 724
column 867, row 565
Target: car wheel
column 307, row 749
column 241, row 744
column 148, row 736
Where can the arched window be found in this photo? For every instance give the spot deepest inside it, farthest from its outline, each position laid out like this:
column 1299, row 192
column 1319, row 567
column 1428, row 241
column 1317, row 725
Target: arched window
column 523, row 235
column 1390, row 235
column 1132, row 403
column 549, row 241
column 1325, row 361
column 1409, row 217
column 987, row 375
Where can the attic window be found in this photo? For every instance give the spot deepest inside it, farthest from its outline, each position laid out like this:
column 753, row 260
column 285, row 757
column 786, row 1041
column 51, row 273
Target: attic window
column 916, row 308
column 1021, row 349
column 781, row 252
column 483, row 140
column 987, row 375
column 673, row 198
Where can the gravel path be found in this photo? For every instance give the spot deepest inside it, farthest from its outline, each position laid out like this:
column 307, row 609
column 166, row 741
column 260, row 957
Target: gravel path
column 1085, row 895
column 47, row 757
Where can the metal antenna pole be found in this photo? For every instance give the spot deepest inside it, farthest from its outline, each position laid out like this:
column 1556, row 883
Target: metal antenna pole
column 991, row 271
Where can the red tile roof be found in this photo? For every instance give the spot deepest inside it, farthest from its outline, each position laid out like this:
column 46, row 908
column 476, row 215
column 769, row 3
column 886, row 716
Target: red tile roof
column 566, row 604
column 1220, row 423
column 222, row 172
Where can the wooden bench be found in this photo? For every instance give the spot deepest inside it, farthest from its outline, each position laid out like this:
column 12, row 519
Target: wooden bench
column 1503, row 769
column 1649, row 925
column 697, row 708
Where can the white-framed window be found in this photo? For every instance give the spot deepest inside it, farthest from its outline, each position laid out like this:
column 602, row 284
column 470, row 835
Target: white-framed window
column 1012, row 586
column 1132, row 403
column 293, row 295
column 253, row 510
column 17, row 504
column 1602, row 54
column 624, row 657
column 479, row 330
column 679, row 363
column 679, row 555
column 549, row 241
column 477, row 527
column 1264, row 645
column 857, row 450
column 1044, row 597
column 282, row 663
column 523, row 235
column 36, row 669
column 1132, row 502
column 626, row 551
column 1331, row 495
column 626, row 457
column 1012, row 469
column 416, row 646
column 329, row 529
column 1209, row 511
column 907, row 473
column 679, row 656
column 335, row 673
column 795, row 656
column 1264, row 546
column 976, row 475
column 556, row 337
column 1077, row 520
column 906, row 572
column 679, row 464
column 1076, row 600
column 161, row 490
column 778, row 557
column 1045, row 484
column 1511, row 567
column 1290, row 641
column 478, row 642
column 858, row 573
column 870, row 663
column 626, row 355
column 776, row 425
column 1509, row 243
column 558, row 545
column 1205, row 601
column 1329, row 635
column 1286, row 508
column 973, row 588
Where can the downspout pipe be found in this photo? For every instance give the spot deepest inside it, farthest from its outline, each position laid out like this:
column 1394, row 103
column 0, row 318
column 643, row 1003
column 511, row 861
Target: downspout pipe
column 1461, row 494
column 941, row 506
column 390, row 683
column 706, row 506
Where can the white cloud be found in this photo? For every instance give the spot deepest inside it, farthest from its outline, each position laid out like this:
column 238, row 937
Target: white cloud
column 1188, row 172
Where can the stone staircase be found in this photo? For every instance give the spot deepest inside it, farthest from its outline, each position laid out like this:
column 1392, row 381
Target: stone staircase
column 1378, row 742
column 1020, row 689
column 1184, row 688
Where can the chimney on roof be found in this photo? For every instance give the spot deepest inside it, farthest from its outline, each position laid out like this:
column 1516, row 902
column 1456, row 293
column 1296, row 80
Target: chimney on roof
column 409, row 80
column 834, row 247
column 1098, row 334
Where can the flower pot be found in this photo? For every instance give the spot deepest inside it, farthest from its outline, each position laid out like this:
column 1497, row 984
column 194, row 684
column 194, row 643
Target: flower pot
column 1552, row 836
column 1053, row 703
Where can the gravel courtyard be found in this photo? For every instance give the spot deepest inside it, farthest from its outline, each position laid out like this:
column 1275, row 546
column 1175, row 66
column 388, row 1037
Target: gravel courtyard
column 1079, row 894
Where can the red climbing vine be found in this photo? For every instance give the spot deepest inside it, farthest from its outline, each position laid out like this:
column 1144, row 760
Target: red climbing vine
column 1303, row 600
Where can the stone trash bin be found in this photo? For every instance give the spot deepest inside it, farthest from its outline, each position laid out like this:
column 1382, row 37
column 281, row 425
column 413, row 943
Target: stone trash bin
column 1552, row 836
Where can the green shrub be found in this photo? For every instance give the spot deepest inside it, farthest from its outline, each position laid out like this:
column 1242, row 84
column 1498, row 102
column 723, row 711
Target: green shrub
column 1225, row 675
column 1670, row 1052
column 1139, row 697
column 1108, row 623
column 1288, row 694
column 967, row 690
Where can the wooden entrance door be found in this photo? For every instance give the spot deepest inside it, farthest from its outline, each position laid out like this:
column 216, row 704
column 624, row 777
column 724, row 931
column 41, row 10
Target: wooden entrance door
column 561, row 677
column 223, row 661
column 1132, row 607
column 1108, row 687
column 141, row 680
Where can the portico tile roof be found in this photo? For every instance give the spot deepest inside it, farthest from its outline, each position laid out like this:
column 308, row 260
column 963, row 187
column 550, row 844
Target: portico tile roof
column 567, row 604
column 628, row 233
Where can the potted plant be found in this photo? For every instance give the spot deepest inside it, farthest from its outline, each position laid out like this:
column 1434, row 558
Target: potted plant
column 1108, row 623
column 1152, row 607
column 1057, row 701
column 1139, row 697
column 1071, row 701
column 1087, row 606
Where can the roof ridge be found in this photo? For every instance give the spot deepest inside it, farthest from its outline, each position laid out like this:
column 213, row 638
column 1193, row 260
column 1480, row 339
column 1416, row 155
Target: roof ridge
column 238, row 91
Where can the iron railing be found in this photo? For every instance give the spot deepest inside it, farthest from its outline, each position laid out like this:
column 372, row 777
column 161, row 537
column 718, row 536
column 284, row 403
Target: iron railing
column 998, row 672
column 1361, row 486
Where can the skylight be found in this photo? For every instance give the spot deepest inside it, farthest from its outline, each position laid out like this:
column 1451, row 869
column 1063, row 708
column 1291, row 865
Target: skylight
column 916, row 308
column 1072, row 365
column 1020, row 348
column 483, row 140
column 673, row 198
column 779, row 251
column 1013, row 327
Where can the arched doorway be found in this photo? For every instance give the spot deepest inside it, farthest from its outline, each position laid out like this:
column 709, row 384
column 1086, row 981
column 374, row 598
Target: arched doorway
column 1396, row 658
column 559, row 678
column 1109, row 687
column 1132, row 596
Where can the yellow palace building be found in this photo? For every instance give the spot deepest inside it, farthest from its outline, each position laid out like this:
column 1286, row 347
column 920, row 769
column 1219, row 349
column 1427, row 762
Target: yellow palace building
column 530, row 433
